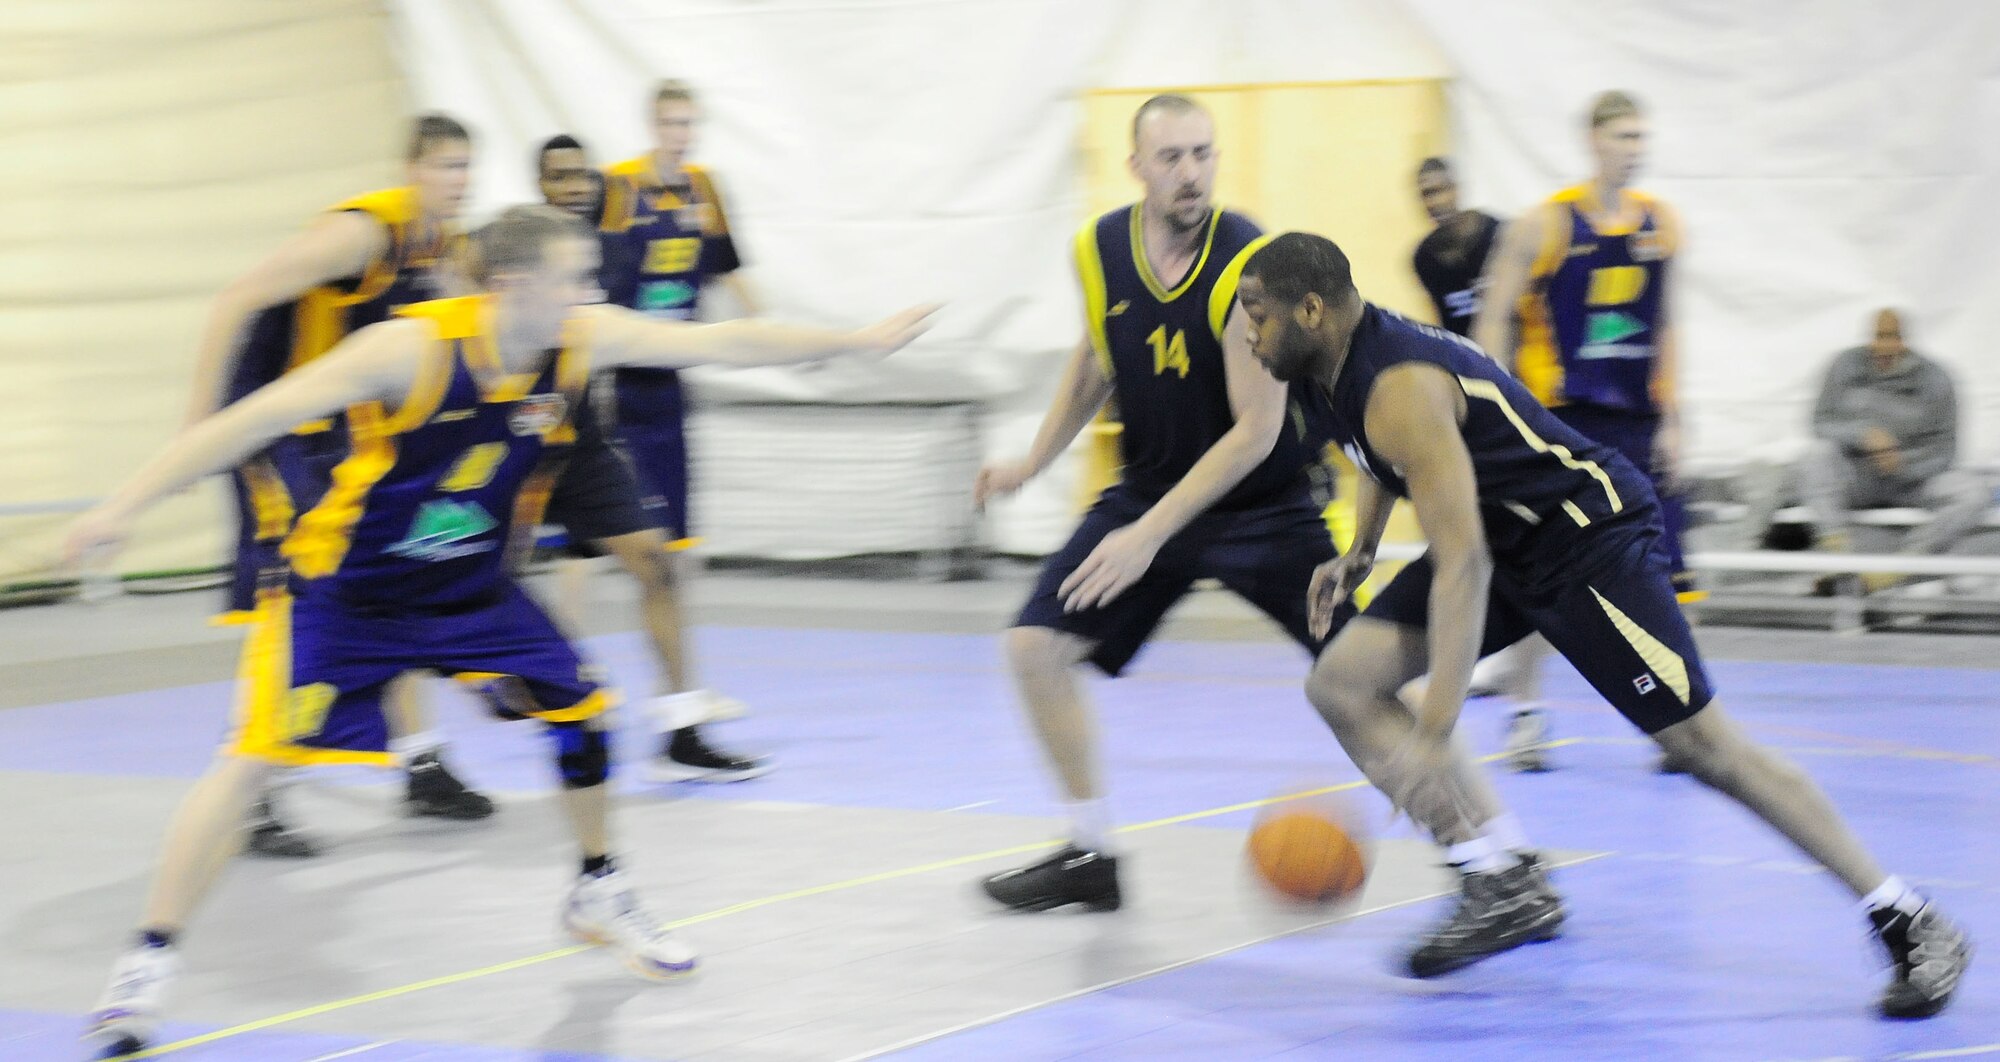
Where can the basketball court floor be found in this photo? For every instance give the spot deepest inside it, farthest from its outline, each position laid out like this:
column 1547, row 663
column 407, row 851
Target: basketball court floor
column 833, row 901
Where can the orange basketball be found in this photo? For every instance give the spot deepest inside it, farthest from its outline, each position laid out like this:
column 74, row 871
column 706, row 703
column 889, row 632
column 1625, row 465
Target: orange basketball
column 1307, row 853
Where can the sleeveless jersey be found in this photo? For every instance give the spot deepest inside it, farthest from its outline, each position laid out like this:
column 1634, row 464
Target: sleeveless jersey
column 1590, row 319
column 672, row 244
column 1161, row 348
column 1543, row 488
column 1451, row 263
column 283, row 337
column 435, row 500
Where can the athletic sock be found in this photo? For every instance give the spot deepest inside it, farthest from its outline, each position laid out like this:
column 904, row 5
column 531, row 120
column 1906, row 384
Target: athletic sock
column 1477, row 856
column 1090, row 825
column 410, row 748
column 1894, row 892
column 1505, row 830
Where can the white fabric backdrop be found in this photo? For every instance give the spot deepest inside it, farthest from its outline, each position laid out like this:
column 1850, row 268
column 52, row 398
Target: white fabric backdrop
column 1828, row 158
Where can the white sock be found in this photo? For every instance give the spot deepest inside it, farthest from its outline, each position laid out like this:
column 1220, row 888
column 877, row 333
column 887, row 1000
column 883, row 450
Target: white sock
column 1478, row 855
column 1090, row 825
column 410, row 746
column 1505, row 831
column 673, row 711
column 1894, row 892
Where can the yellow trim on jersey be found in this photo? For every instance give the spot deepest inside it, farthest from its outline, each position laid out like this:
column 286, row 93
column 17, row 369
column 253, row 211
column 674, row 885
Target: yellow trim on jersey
column 427, row 391
column 265, row 726
column 319, row 543
column 1090, row 273
column 270, row 502
column 715, row 222
column 591, row 706
column 1663, row 661
column 1144, row 266
column 1475, row 387
column 235, row 617
column 682, row 545
column 317, row 316
column 1224, row 295
column 1536, row 362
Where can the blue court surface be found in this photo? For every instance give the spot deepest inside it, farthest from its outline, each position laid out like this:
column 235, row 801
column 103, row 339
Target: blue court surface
column 1696, row 934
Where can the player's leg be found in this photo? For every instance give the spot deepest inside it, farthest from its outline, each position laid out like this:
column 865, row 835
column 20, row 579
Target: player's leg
column 685, row 754
column 311, row 686
column 1958, row 500
column 514, row 654
column 1504, row 898
column 1622, row 628
column 429, row 787
column 1043, row 649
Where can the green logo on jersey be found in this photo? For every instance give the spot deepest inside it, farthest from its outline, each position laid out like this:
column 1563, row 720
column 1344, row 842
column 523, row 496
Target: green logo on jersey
column 1606, row 332
column 443, row 529
column 660, row 296
column 1612, row 326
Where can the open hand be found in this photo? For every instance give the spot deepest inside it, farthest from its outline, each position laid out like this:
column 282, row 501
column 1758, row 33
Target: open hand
column 1333, row 583
column 997, row 480
column 895, row 332
column 1120, row 558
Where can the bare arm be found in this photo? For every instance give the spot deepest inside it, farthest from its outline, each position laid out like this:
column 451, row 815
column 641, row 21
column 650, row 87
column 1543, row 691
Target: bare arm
column 1509, row 271
column 1412, row 421
column 620, row 337
column 376, row 363
column 1258, row 403
column 1372, row 506
column 336, row 245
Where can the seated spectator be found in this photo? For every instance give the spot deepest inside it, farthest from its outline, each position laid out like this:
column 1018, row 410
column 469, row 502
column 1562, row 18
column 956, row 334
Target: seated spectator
column 1885, row 434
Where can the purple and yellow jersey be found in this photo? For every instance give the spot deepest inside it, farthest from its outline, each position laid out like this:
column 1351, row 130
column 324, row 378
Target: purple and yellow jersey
column 670, row 240
column 436, row 499
column 290, row 334
column 1590, row 319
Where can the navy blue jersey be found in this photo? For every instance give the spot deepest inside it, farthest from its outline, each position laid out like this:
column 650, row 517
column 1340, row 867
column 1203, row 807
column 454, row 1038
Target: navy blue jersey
column 1543, row 487
column 1451, row 264
column 1161, row 347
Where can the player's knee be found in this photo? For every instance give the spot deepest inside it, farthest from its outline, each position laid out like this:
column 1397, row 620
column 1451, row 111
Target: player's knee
column 583, row 754
column 1037, row 650
column 1710, row 749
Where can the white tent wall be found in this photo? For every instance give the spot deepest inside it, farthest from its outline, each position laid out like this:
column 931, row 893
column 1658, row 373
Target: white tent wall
column 150, row 152
column 1828, row 158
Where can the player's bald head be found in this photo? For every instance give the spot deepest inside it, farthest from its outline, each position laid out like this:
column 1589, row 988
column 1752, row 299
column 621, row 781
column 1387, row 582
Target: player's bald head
column 1167, row 105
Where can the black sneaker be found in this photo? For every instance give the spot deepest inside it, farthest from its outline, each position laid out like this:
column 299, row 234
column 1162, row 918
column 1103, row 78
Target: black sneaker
column 273, row 838
column 686, row 757
column 1930, row 955
column 434, row 791
column 1070, row 876
column 1498, row 910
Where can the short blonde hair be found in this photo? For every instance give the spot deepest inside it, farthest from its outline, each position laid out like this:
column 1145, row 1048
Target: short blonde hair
column 673, row 90
column 517, row 240
column 1611, row 106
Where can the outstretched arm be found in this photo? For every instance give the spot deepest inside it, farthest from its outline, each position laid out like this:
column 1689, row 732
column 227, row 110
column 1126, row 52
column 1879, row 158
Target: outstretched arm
column 379, row 362
column 622, row 338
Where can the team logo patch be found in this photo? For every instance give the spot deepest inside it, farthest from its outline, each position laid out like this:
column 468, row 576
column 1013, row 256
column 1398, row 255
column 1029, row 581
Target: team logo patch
column 1645, row 684
column 446, row 530
column 536, row 414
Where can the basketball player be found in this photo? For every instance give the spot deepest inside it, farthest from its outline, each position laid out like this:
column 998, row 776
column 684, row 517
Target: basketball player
column 1452, row 258
column 597, row 503
column 1213, row 484
column 667, row 242
column 1580, row 307
column 347, row 270
column 458, row 412
column 1533, row 526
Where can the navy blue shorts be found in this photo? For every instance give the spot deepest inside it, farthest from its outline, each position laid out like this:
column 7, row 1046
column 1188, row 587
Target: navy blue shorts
column 271, row 490
column 1632, row 435
column 597, row 497
column 1265, row 555
column 1615, row 618
column 652, row 431
column 314, row 668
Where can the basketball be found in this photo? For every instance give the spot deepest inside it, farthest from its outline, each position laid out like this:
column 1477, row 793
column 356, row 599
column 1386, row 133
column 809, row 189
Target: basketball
column 1307, row 853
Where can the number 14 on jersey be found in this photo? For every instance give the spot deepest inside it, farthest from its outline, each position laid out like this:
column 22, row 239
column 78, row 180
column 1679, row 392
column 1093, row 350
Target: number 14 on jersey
column 1169, row 354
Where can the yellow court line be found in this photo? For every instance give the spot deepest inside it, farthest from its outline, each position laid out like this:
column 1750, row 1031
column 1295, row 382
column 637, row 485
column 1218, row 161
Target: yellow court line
column 733, row 909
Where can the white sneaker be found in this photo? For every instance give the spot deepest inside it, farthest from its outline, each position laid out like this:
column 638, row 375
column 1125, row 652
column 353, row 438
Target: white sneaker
column 129, row 1011
column 723, row 708
column 603, row 910
column 1527, row 733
